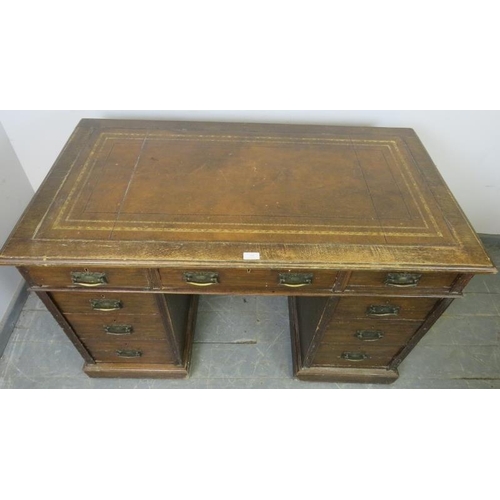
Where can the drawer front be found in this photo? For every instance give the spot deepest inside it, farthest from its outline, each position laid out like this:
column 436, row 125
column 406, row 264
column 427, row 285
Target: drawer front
column 384, row 309
column 109, row 326
column 62, row 277
column 362, row 333
column 400, row 282
column 355, row 356
column 129, row 351
column 96, row 303
column 284, row 281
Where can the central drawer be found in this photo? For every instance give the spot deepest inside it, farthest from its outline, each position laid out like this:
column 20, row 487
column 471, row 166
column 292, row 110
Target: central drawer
column 283, row 281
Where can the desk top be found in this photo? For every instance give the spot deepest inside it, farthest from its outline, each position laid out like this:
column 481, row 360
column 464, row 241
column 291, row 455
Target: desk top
column 152, row 193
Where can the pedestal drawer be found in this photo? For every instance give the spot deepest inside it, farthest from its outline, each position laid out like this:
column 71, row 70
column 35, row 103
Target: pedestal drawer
column 118, row 303
column 129, row 351
column 106, row 326
column 362, row 333
column 384, row 309
column 355, row 356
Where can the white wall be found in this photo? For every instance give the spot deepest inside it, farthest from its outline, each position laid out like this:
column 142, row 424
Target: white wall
column 15, row 194
column 465, row 145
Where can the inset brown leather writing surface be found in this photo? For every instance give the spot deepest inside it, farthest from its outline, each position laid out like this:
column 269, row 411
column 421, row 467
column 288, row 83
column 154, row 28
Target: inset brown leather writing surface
column 169, row 192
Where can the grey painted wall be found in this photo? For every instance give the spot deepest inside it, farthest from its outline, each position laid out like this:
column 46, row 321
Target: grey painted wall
column 15, row 194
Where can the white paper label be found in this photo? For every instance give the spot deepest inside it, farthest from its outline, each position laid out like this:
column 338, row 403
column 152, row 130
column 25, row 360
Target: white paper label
column 251, row 256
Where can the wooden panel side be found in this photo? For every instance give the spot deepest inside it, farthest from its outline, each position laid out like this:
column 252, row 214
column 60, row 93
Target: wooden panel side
column 313, row 315
column 434, row 315
column 68, row 330
column 172, row 339
column 178, row 307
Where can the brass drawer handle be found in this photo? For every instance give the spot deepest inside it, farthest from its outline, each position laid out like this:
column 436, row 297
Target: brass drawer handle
column 106, row 305
column 201, row 278
column 129, row 354
column 118, row 329
column 295, row 280
column 369, row 335
column 382, row 310
column 354, row 356
column 402, row 280
column 88, row 279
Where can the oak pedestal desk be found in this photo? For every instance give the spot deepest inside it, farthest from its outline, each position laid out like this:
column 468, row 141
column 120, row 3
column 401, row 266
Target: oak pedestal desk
column 138, row 218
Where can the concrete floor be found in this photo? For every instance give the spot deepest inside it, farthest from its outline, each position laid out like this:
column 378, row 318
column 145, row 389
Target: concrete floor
column 244, row 342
